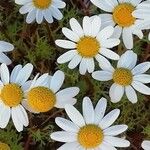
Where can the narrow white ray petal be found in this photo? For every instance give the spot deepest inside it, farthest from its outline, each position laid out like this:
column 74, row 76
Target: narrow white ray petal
column 5, row 46
column 65, row 44
column 87, row 26
column 39, row 16
column 116, row 92
column 4, row 73
column 63, row 136
column 66, row 125
column 56, row 13
column 5, row 59
column 90, row 65
column 102, row 75
column 117, row 142
column 104, row 63
column 31, row 16
column 68, row 56
column 146, row 145
column 115, row 130
column 141, row 68
column 106, row 146
column 83, row 66
column 75, row 115
column 67, row 146
column 131, row 94
column 70, row 34
column 140, row 87
column 76, row 27
column 24, row 74
column 144, row 78
column 57, row 81
column 117, row 32
column 88, row 110
column 109, row 119
column 100, row 110
column 127, row 60
column 109, row 54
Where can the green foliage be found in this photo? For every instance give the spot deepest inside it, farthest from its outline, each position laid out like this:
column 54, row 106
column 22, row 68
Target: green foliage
column 11, row 137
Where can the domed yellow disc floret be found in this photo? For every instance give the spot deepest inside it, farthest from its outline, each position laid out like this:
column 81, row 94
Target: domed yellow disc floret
column 42, row 4
column 90, row 136
column 11, row 94
column 122, row 15
column 4, row 146
column 41, row 99
column 123, row 76
column 88, row 46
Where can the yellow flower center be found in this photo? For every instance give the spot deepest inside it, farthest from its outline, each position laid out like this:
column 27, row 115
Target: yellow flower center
column 11, row 94
column 122, row 15
column 4, row 146
column 90, row 136
column 88, row 46
column 41, row 99
column 42, row 4
column 122, row 76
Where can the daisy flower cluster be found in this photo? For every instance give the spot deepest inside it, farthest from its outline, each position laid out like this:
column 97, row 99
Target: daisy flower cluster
column 90, row 48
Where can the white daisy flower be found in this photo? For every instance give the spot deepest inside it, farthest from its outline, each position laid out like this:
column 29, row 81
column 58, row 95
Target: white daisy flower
column 143, row 12
column 5, row 47
column 86, row 44
column 146, row 145
column 93, row 130
column 44, row 93
column 40, row 9
column 12, row 87
column 126, row 77
column 120, row 16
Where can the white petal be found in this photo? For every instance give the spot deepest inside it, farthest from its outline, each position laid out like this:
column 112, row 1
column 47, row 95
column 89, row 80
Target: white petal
column 110, row 43
column 127, row 38
column 31, row 16
column 22, row 2
column 21, row 114
column 135, row 3
column 73, row 145
column 87, row 26
column 74, row 115
column 67, row 56
column 24, row 74
column 68, row 93
column 127, row 60
column 96, row 25
column 48, row 16
column 104, row 63
column 16, row 121
column 4, row 59
column 83, row 66
column 106, row 146
column 117, row 142
column 102, row 75
column 109, row 54
column 39, row 16
column 117, row 32
column 57, row 81
column 115, row 130
column 4, row 72
column 56, row 13
column 88, row 110
column 5, row 46
column 100, row 110
column 109, row 119
column 4, row 115
column 63, row 136
column 26, row 8
column 59, row 4
column 105, row 33
column 90, row 65
column 76, row 27
column 141, row 68
column 116, row 92
column 131, row 94
column 65, row 44
column 146, row 145
column 70, row 34
column 14, row 73
column 144, row 78
column 66, row 125
column 75, row 61
column 140, row 87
